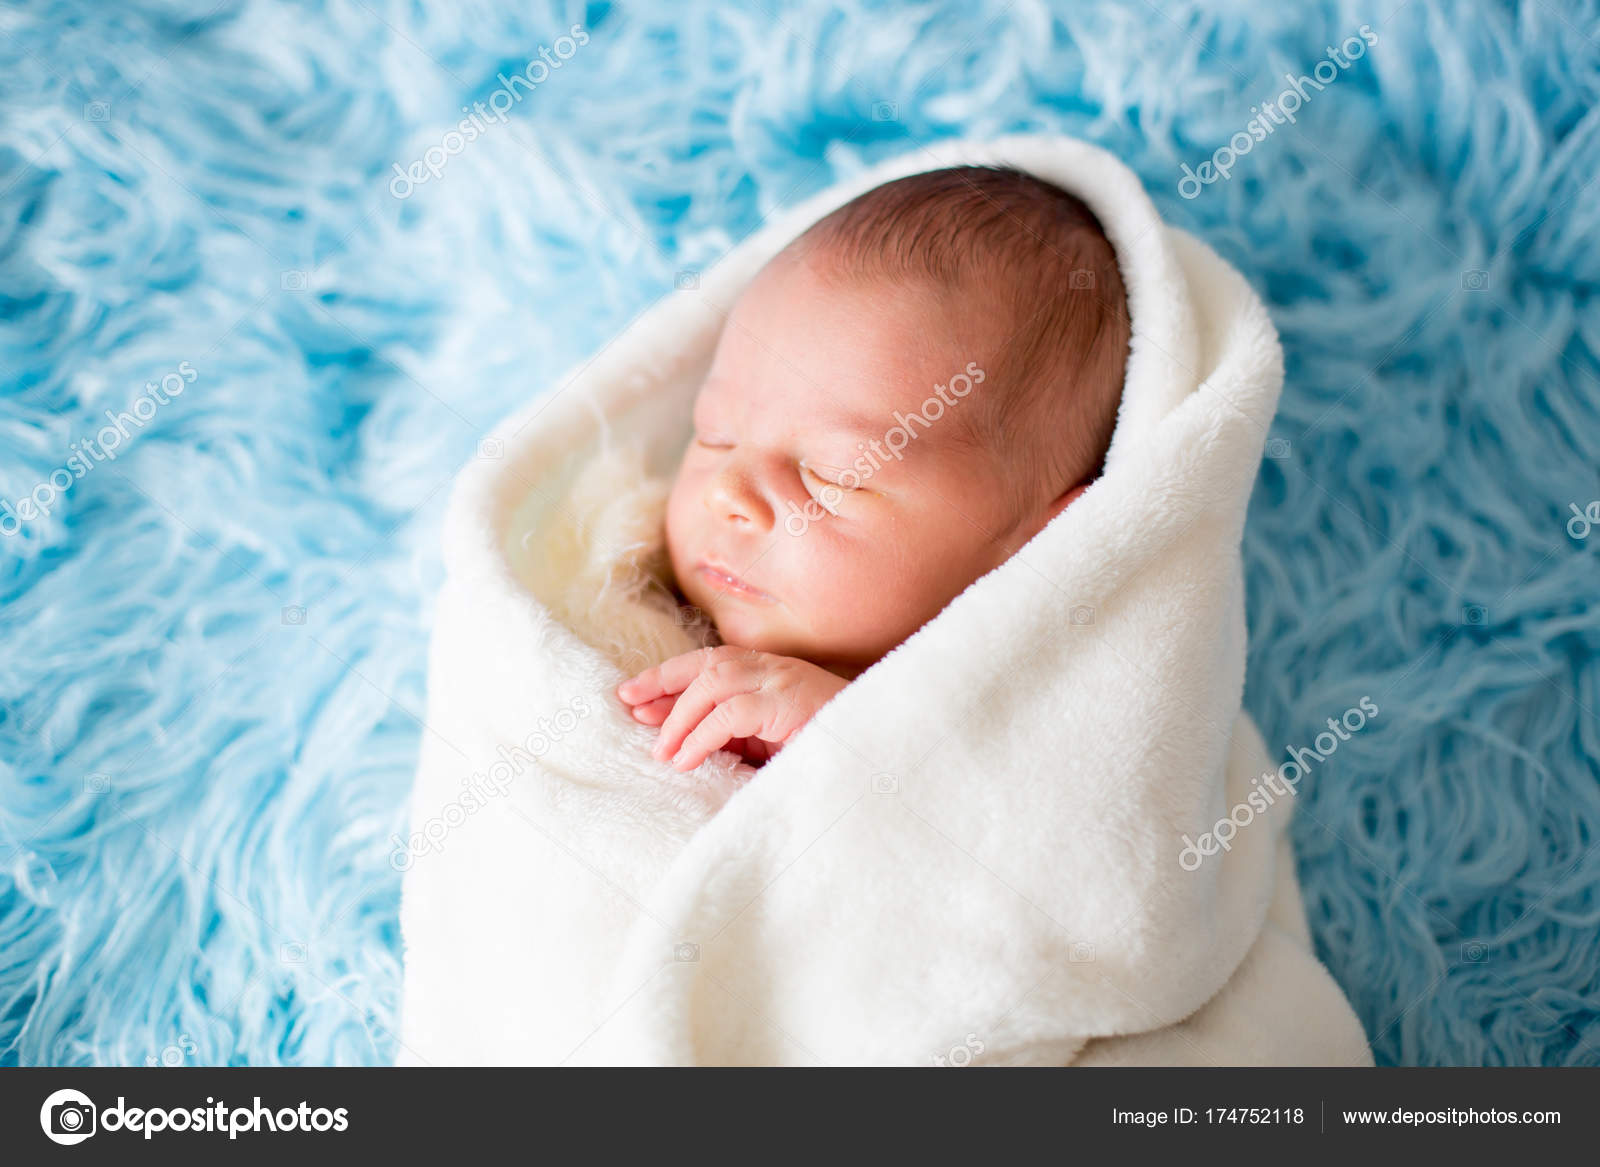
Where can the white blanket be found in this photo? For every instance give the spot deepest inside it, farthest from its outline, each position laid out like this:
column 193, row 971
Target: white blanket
column 975, row 853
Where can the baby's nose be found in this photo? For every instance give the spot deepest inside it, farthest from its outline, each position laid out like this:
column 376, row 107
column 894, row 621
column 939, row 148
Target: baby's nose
column 737, row 497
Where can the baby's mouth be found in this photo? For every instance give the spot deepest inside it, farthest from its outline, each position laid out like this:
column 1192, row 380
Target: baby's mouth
column 729, row 584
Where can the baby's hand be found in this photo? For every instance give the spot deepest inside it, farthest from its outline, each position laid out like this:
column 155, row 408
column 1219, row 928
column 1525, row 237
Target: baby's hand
column 747, row 701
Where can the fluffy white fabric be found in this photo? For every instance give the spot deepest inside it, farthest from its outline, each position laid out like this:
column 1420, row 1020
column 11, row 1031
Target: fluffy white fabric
column 972, row 852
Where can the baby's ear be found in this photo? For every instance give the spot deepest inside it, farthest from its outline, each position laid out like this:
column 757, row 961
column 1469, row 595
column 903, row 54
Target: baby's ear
column 1061, row 503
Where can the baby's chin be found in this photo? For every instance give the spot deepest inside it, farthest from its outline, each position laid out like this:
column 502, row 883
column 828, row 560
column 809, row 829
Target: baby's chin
column 747, row 625
column 737, row 625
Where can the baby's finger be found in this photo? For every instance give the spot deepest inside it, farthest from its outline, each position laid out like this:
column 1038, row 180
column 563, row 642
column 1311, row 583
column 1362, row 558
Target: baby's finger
column 654, row 712
column 740, row 716
column 672, row 675
column 724, row 679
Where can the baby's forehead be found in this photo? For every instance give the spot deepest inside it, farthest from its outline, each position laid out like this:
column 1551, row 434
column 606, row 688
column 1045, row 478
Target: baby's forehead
column 808, row 302
column 834, row 422
column 852, row 357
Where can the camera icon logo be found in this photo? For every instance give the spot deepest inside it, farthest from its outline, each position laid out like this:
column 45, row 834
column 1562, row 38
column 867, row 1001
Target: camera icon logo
column 686, row 953
column 97, row 783
column 1080, row 280
column 97, row 111
column 884, row 111
column 294, row 614
column 1474, row 281
column 686, row 281
column 491, row 448
column 292, row 953
column 1475, row 614
column 1081, row 952
column 292, row 281
column 68, row 1117
column 1473, row 951
column 1278, row 448
column 885, row 784
column 1081, row 616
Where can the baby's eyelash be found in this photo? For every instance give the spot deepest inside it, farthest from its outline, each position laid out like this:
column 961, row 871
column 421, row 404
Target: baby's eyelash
column 831, row 482
column 717, row 442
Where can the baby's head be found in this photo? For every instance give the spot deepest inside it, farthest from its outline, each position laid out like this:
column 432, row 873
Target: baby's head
column 898, row 401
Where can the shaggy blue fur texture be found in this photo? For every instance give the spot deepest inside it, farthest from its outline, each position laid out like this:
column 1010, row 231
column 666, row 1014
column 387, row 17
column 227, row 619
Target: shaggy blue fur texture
column 213, row 655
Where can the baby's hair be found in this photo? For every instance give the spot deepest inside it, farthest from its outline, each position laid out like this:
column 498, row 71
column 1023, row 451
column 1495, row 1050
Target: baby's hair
column 1004, row 240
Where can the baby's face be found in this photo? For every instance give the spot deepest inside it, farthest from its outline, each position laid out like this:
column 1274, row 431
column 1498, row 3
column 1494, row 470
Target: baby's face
column 806, row 384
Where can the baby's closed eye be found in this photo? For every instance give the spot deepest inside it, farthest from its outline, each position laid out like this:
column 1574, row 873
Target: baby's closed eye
column 831, row 475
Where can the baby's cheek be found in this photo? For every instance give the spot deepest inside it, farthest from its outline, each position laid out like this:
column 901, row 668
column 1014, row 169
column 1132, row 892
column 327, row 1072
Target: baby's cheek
column 849, row 595
column 678, row 533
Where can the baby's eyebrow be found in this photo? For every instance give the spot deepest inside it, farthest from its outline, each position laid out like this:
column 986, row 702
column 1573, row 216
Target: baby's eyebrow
column 833, row 419
column 859, row 424
column 845, row 423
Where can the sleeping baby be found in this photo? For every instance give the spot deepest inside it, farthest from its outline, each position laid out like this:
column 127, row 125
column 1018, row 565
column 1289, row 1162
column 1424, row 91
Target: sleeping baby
column 898, row 402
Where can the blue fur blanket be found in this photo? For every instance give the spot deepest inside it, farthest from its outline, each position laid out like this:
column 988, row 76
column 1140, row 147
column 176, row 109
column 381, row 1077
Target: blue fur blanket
column 270, row 270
